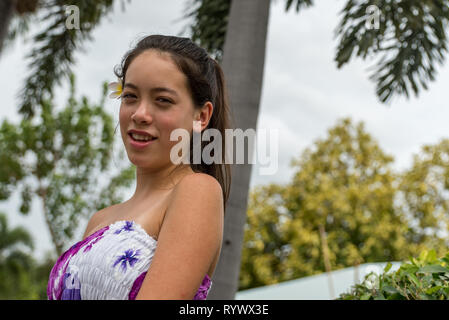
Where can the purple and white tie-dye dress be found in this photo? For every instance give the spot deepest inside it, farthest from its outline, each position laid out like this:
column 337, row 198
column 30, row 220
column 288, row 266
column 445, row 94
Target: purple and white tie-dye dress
column 110, row 264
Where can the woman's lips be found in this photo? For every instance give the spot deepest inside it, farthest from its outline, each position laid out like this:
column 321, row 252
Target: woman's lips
column 139, row 144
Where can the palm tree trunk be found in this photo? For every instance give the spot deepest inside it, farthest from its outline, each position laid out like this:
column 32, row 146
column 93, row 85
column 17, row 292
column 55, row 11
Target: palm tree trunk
column 6, row 13
column 243, row 66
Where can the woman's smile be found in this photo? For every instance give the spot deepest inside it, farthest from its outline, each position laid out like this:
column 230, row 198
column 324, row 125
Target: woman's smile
column 140, row 144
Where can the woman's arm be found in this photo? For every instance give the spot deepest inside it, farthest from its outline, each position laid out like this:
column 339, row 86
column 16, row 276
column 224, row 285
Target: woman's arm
column 190, row 236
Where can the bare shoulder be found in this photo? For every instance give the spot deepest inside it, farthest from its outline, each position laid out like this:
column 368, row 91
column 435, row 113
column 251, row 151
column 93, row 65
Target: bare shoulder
column 199, row 180
column 199, row 188
column 95, row 220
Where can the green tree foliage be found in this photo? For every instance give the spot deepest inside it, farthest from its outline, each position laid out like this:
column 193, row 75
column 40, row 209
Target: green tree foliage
column 14, row 260
column 425, row 193
column 65, row 152
column 424, row 278
column 54, row 46
column 409, row 37
column 346, row 185
column 211, row 21
column 265, row 244
column 21, row 276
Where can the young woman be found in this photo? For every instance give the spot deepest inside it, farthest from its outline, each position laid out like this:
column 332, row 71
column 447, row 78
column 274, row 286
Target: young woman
column 165, row 241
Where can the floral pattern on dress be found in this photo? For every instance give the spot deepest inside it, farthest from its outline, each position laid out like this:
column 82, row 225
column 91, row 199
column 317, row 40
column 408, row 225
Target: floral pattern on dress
column 204, row 288
column 89, row 246
column 127, row 227
column 71, row 286
column 129, row 257
column 56, row 280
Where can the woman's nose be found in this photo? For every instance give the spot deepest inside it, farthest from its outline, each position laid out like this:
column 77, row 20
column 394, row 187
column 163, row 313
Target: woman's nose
column 142, row 114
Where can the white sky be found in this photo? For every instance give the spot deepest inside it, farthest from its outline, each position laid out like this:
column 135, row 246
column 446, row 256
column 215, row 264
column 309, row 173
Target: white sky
column 304, row 94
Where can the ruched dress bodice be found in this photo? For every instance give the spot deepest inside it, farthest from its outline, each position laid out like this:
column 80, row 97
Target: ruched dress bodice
column 110, row 264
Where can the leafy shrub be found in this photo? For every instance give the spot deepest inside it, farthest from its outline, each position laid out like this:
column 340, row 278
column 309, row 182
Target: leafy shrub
column 425, row 278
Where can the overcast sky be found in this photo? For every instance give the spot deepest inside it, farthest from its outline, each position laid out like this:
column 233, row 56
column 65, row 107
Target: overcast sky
column 304, row 94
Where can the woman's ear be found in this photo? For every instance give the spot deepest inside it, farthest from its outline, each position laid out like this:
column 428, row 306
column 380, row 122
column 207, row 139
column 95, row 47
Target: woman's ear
column 203, row 116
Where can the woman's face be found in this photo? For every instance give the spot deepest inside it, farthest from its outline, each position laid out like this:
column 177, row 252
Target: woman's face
column 155, row 99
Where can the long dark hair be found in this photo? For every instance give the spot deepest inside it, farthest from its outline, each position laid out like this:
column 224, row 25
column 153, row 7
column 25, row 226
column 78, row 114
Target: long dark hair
column 206, row 83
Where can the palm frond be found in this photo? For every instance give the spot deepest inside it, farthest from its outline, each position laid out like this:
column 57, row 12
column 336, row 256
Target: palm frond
column 53, row 54
column 410, row 40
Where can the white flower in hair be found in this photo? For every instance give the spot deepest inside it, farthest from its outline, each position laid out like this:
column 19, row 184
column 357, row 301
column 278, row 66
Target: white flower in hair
column 116, row 88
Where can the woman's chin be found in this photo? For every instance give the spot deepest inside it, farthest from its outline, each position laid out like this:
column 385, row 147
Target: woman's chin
column 140, row 160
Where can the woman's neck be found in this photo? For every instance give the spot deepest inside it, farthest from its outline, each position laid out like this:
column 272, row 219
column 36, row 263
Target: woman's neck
column 150, row 183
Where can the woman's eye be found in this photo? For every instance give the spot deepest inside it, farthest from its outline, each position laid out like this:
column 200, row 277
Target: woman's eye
column 128, row 98
column 127, row 95
column 165, row 100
